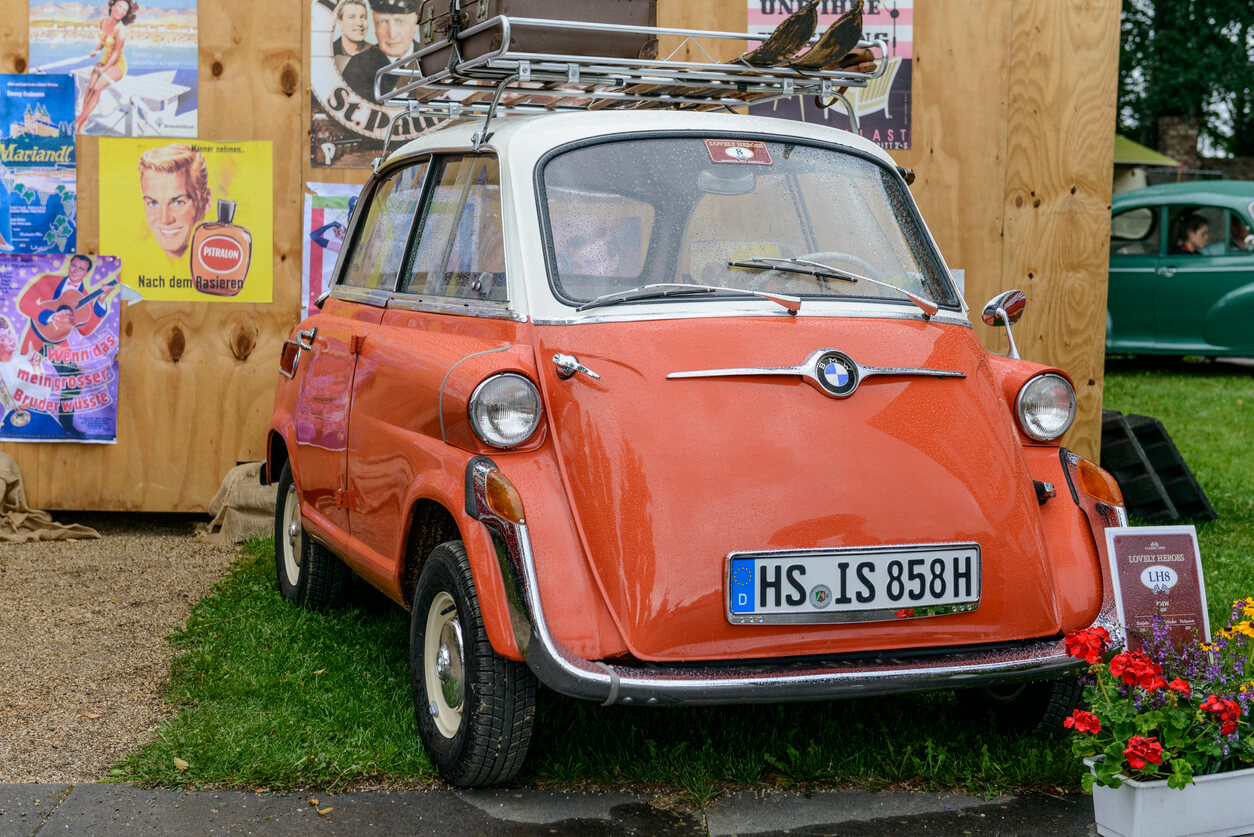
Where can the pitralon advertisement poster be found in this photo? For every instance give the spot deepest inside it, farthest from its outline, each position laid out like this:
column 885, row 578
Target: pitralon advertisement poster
column 58, row 348
column 192, row 222
column 38, row 196
column 350, row 40
column 134, row 63
column 883, row 107
column 326, row 221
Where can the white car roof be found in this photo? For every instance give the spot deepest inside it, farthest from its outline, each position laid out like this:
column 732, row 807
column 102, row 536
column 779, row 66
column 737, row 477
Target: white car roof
column 551, row 130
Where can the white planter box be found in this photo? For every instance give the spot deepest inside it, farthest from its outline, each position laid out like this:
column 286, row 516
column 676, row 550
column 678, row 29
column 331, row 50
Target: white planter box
column 1216, row 805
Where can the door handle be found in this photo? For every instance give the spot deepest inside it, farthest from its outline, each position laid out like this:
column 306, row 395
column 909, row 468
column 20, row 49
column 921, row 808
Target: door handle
column 568, row 365
column 1166, row 271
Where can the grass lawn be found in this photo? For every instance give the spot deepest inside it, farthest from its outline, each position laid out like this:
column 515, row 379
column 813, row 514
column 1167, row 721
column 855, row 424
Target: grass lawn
column 273, row 696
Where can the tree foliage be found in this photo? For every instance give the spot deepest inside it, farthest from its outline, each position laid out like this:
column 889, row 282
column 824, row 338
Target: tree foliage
column 1193, row 59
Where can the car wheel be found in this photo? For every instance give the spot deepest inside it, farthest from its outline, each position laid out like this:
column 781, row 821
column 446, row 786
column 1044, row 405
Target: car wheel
column 475, row 709
column 1037, row 707
column 308, row 573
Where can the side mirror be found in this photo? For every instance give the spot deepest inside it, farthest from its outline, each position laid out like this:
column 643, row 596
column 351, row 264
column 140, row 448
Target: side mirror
column 1005, row 309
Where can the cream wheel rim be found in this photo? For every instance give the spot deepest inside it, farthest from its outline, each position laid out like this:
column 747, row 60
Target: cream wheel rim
column 444, row 662
column 291, row 539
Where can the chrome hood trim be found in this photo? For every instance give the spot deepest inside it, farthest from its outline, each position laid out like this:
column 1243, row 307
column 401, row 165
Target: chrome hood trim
column 812, row 369
column 770, row 681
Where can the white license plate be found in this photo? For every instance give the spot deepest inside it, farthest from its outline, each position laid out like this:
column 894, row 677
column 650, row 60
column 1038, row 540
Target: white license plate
column 868, row 584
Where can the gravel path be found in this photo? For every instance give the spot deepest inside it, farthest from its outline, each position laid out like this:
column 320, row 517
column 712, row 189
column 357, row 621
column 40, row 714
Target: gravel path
column 84, row 640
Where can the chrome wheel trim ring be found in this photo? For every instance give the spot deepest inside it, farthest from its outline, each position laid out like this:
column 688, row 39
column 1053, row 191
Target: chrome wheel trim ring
column 443, row 661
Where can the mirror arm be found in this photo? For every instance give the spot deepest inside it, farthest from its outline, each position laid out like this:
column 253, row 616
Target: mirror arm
column 1014, row 350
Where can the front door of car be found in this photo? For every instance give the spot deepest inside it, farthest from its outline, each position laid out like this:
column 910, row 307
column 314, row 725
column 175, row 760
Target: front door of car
column 1192, row 286
column 451, row 303
column 1135, row 245
column 367, row 273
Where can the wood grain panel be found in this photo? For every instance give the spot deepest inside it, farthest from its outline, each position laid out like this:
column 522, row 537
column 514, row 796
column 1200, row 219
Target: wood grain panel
column 196, row 381
column 717, row 15
column 1059, row 169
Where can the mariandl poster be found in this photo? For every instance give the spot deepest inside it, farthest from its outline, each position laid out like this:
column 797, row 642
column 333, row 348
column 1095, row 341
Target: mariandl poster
column 58, row 348
column 883, row 106
column 38, row 203
column 192, row 221
column 134, row 62
column 326, row 221
column 350, row 40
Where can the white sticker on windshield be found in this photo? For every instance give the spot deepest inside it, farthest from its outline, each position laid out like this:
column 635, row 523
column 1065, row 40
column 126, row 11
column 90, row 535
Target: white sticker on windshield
column 738, row 151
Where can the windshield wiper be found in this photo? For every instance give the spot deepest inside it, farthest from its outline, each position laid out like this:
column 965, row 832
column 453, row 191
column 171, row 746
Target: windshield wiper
column 806, row 267
column 662, row 290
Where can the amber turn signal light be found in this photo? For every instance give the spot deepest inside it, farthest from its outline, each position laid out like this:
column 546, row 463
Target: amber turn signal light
column 504, row 499
column 1099, row 484
column 287, row 360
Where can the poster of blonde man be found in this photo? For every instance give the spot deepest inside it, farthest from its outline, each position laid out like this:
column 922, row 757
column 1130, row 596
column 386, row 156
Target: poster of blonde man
column 192, row 221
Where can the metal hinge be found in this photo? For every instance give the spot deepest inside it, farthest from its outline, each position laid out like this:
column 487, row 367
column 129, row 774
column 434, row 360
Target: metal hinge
column 355, row 343
column 345, row 499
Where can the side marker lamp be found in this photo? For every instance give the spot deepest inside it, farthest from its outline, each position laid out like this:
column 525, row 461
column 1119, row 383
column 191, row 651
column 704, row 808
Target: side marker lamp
column 1099, row 484
column 504, row 499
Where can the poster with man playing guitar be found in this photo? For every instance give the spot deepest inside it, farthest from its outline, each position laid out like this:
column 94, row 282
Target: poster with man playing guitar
column 58, row 348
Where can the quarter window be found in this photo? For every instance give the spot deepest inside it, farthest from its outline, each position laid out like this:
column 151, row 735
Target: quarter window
column 379, row 248
column 1134, row 232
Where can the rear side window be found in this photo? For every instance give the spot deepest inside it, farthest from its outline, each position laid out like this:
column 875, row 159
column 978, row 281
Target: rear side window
column 1134, row 232
column 379, row 247
column 460, row 249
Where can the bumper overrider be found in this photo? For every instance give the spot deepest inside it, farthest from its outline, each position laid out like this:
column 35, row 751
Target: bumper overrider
column 769, row 681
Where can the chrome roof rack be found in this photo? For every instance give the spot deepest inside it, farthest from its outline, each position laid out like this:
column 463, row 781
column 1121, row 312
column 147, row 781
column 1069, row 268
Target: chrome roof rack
column 516, row 82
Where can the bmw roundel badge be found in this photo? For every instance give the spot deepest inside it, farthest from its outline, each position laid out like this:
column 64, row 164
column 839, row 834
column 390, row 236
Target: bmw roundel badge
column 837, row 373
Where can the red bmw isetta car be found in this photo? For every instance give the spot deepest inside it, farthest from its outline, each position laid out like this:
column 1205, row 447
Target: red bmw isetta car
column 676, row 408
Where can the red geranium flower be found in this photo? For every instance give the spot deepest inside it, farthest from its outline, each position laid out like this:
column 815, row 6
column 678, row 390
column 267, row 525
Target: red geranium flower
column 905, row 613
column 1141, row 751
column 1180, row 686
column 1087, row 644
column 1226, row 711
column 1137, row 669
column 1083, row 721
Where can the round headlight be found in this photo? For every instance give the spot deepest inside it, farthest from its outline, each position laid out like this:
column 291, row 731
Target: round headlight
column 505, row 410
column 1046, row 407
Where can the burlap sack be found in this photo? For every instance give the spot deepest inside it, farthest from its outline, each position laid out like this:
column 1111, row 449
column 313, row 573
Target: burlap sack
column 242, row 508
column 20, row 523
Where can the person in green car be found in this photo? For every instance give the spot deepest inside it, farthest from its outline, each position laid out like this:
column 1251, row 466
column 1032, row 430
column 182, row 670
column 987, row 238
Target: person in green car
column 1191, row 235
column 1239, row 237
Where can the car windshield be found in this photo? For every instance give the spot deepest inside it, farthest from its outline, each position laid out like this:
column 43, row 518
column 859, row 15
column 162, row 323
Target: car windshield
column 741, row 214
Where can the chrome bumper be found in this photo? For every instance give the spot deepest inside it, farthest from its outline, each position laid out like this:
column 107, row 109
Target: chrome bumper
column 771, row 681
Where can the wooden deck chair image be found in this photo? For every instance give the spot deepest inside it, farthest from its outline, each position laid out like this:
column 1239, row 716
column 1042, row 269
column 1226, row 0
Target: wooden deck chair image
column 874, row 97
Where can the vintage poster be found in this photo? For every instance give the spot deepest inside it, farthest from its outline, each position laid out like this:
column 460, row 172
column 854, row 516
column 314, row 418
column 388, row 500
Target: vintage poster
column 1157, row 571
column 883, row 106
column 350, row 40
column 38, row 203
column 134, row 63
column 192, row 222
column 58, row 348
column 326, row 220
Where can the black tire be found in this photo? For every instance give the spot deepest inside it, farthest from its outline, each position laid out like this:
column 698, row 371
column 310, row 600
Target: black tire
column 1037, row 707
column 476, row 726
column 308, row 573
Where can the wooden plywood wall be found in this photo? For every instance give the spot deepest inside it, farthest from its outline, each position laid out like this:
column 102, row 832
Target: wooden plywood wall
column 1013, row 143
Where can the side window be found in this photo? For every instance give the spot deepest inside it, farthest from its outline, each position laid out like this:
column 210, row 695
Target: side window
column 379, row 248
column 460, row 249
column 1196, row 230
column 1134, row 232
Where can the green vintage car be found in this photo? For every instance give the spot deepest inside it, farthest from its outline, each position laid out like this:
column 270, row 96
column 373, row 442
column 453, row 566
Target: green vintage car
column 1182, row 270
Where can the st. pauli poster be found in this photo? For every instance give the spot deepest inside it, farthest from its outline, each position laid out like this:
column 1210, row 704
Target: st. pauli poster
column 350, row 40
column 134, row 63
column 192, row 222
column 58, row 348
column 326, row 221
column 883, row 106
column 38, row 203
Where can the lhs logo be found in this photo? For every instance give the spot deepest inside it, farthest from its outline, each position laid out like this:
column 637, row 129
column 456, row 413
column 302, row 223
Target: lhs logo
column 837, row 373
